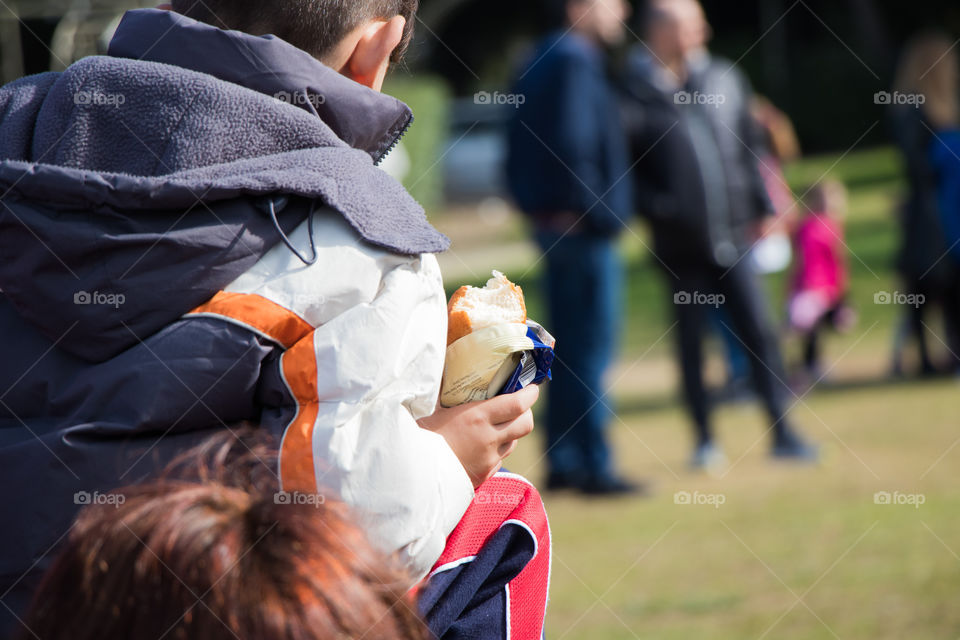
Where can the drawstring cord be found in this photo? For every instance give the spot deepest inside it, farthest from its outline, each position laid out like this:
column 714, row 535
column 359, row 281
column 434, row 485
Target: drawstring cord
column 286, row 240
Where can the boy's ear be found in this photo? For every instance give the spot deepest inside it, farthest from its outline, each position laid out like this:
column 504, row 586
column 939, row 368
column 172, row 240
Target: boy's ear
column 375, row 42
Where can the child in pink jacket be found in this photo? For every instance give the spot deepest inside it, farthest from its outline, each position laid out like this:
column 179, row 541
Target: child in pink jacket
column 819, row 285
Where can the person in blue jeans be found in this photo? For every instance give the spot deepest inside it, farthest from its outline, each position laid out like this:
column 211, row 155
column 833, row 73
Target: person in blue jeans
column 566, row 168
column 944, row 152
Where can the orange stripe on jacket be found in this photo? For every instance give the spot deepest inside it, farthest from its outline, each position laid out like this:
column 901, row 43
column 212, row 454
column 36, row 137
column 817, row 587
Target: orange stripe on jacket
column 299, row 365
column 265, row 316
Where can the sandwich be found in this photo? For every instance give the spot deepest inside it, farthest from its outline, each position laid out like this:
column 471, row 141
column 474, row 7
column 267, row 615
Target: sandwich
column 473, row 308
column 492, row 347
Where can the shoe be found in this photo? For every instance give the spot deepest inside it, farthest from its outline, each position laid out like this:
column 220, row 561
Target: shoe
column 929, row 370
column 613, row 486
column 791, row 447
column 708, row 457
column 558, row 481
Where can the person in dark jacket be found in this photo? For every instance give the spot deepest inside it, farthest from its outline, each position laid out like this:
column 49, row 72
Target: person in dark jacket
column 566, row 168
column 926, row 63
column 941, row 110
column 697, row 183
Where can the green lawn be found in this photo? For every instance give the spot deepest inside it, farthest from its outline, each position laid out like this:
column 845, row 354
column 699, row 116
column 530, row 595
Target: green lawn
column 791, row 552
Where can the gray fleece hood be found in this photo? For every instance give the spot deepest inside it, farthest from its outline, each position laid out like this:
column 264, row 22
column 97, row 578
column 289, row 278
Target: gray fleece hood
column 154, row 169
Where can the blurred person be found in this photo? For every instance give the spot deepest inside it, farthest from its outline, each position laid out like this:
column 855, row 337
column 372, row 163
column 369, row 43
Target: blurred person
column 778, row 146
column 770, row 253
column 942, row 107
column 566, row 168
column 195, row 232
column 927, row 68
column 818, row 287
column 697, row 182
column 220, row 553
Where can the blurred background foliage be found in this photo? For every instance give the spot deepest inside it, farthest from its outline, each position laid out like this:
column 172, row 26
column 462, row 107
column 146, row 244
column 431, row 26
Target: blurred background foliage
column 821, row 61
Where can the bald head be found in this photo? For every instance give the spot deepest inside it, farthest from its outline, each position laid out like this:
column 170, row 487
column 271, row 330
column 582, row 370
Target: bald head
column 676, row 28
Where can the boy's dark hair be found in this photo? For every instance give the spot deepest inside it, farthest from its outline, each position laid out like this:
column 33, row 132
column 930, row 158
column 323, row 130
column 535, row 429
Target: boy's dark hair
column 316, row 26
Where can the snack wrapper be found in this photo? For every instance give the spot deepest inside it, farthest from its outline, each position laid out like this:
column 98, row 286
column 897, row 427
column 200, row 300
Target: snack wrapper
column 496, row 360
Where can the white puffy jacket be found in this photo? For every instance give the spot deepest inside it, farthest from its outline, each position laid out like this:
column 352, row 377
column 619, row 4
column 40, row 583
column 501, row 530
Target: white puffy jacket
column 374, row 357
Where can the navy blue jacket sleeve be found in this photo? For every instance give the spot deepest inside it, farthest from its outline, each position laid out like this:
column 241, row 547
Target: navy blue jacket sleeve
column 944, row 154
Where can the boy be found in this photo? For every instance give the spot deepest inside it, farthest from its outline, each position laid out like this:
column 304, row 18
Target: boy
column 194, row 233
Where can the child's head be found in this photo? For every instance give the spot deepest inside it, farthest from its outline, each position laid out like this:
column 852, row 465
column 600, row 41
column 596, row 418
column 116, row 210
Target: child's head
column 358, row 38
column 217, row 553
column 827, row 197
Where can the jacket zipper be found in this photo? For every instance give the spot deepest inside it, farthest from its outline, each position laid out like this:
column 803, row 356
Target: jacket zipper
column 396, row 140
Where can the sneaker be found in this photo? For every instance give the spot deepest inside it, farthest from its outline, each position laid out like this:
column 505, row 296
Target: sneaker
column 558, row 481
column 791, row 447
column 614, row 486
column 708, row 457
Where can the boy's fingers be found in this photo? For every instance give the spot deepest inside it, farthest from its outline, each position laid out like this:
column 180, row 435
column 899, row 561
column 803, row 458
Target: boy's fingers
column 518, row 428
column 506, row 449
column 507, row 407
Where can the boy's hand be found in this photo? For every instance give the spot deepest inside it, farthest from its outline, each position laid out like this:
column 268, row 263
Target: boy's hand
column 482, row 434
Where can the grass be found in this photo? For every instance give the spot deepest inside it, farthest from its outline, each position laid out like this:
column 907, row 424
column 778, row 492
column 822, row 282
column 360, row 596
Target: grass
column 792, row 552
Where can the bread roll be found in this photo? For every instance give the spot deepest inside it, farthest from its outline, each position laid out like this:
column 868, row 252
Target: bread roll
column 472, row 308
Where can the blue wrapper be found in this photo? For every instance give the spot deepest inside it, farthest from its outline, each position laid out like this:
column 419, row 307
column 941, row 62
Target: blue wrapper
column 534, row 366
